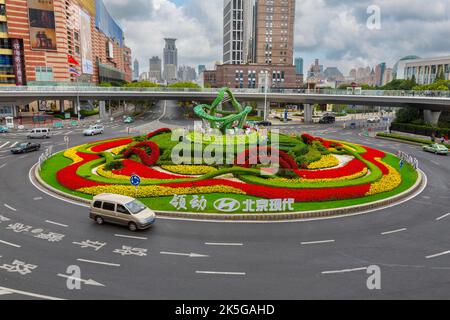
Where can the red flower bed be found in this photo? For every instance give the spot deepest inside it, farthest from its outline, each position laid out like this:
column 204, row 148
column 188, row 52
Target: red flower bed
column 148, row 160
column 308, row 139
column 372, row 154
column 69, row 179
column 353, row 167
column 111, row 145
column 300, row 195
column 132, row 167
column 158, row 132
column 255, row 156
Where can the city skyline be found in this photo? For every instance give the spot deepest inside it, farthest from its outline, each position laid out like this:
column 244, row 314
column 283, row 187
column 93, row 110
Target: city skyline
column 332, row 31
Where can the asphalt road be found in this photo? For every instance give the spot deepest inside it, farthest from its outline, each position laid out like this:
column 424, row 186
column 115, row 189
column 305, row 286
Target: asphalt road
column 323, row 259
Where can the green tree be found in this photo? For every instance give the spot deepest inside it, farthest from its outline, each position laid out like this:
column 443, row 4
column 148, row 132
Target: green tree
column 441, row 75
column 186, row 84
column 408, row 115
column 142, row 84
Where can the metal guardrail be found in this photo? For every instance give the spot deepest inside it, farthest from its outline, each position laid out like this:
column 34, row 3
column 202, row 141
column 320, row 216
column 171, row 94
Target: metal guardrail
column 75, row 89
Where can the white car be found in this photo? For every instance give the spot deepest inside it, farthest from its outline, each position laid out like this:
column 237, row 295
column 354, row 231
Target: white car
column 374, row 120
column 94, row 130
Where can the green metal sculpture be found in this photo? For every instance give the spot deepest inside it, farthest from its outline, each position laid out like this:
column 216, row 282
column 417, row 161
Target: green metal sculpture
column 226, row 119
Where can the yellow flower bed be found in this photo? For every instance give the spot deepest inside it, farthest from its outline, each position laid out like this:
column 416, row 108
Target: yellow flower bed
column 72, row 155
column 101, row 171
column 157, row 191
column 118, row 150
column 190, row 170
column 387, row 183
column 327, row 161
column 358, row 175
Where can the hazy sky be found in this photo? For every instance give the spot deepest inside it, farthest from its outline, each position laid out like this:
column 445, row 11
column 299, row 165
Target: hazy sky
column 333, row 30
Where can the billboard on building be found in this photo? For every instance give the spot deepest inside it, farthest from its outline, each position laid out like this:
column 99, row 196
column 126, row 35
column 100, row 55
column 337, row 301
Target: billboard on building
column 86, row 43
column 89, row 5
column 18, row 61
column 42, row 24
column 106, row 24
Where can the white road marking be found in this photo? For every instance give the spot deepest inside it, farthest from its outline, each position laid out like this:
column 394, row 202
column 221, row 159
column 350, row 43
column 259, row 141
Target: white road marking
column 29, row 294
column 393, row 231
column 130, row 237
column 443, row 217
column 89, row 282
column 317, row 242
column 438, row 255
column 99, row 262
column 4, row 144
column 3, row 165
column 190, row 255
column 223, row 244
column 434, row 162
column 37, row 198
column 69, row 132
column 57, row 224
column 4, row 292
column 23, row 157
column 9, row 207
column 10, row 244
column 13, row 145
column 344, row 271
column 222, row 273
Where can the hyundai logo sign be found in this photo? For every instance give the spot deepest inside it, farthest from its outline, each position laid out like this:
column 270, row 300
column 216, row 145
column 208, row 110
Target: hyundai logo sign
column 227, row 205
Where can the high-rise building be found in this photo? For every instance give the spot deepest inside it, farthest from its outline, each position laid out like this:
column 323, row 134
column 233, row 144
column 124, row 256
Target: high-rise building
column 201, row 68
column 299, row 65
column 238, row 31
column 186, row 73
column 136, row 73
column 275, row 20
column 379, row 74
column 170, row 59
column 155, row 71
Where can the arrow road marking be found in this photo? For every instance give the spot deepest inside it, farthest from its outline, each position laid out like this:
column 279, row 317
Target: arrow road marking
column 89, row 282
column 4, row 292
column 190, row 255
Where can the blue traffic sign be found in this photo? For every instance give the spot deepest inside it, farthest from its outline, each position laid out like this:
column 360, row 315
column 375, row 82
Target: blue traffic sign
column 135, row 180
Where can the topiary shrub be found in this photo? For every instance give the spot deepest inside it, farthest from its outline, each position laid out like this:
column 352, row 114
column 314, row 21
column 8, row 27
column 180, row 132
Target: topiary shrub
column 114, row 165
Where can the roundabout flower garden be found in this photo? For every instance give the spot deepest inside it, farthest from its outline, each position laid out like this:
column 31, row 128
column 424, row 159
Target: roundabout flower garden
column 313, row 174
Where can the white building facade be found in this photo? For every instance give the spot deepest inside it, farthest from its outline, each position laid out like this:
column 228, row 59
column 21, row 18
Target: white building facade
column 425, row 70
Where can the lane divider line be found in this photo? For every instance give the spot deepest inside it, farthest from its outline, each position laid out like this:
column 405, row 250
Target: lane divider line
column 99, row 262
column 438, row 255
column 443, row 217
column 317, row 242
column 29, row 294
column 130, row 237
column 393, row 231
column 9, row 207
column 10, row 244
column 224, row 244
column 57, row 224
column 344, row 271
column 221, row 273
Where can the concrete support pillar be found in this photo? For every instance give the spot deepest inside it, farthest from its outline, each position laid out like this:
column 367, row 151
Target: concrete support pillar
column 432, row 117
column 308, row 113
column 102, row 110
column 61, row 106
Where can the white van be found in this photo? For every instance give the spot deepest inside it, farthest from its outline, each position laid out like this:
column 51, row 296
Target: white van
column 121, row 210
column 40, row 133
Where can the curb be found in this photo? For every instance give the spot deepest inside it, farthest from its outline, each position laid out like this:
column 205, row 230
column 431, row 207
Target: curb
column 338, row 212
column 400, row 141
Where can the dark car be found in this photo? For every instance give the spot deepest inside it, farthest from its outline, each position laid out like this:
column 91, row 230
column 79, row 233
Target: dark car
column 264, row 123
column 25, row 147
column 327, row 120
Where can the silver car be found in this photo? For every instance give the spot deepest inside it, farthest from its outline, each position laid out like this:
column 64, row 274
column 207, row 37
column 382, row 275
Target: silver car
column 94, row 130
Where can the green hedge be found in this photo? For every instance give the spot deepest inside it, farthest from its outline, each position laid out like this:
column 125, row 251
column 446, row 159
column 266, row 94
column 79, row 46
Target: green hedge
column 419, row 129
column 406, row 138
